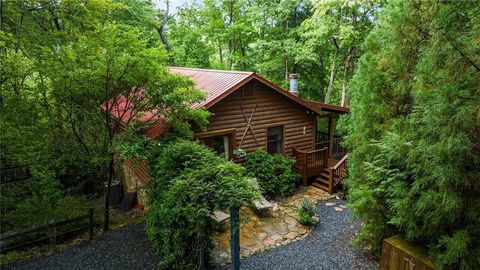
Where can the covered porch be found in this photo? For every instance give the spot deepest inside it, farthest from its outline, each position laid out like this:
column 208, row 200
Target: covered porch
column 327, row 162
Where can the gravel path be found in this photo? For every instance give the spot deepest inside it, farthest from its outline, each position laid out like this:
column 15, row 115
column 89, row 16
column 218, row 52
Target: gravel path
column 127, row 248
column 327, row 247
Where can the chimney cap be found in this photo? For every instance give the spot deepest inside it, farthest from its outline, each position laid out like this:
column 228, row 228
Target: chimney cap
column 293, row 76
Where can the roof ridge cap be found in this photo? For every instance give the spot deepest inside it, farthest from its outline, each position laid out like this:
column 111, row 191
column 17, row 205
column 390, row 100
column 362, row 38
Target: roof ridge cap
column 212, row 70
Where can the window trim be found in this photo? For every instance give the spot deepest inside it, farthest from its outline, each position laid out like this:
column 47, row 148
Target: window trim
column 282, row 147
column 217, row 133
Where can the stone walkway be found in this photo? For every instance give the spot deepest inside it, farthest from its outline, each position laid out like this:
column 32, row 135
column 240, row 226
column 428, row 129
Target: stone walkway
column 327, row 247
column 258, row 234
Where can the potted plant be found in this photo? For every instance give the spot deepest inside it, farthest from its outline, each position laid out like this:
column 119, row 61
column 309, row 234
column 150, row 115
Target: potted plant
column 239, row 155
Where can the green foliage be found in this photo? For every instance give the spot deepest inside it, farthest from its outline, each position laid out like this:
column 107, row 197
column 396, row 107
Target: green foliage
column 275, row 38
column 260, row 164
column 62, row 62
column 414, row 166
column 286, row 177
column 275, row 174
column 305, row 212
column 189, row 183
column 38, row 201
column 239, row 153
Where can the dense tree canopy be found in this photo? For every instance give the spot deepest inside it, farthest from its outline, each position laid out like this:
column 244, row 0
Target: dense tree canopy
column 66, row 67
column 414, row 130
column 409, row 70
column 320, row 40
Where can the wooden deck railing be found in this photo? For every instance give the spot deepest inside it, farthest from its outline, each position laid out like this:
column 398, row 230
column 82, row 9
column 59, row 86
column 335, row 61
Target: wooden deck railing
column 323, row 142
column 310, row 163
column 339, row 171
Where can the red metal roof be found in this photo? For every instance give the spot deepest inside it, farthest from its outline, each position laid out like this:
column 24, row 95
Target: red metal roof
column 213, row 82
column 217, row 84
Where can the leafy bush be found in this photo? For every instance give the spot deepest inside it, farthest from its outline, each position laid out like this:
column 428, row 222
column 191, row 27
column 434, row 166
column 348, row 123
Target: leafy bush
column 275, row 174
column 37, row 201
column 285, row 174
column 260, row 164
column 179, row 218
column 173, row 157
column 306, row 211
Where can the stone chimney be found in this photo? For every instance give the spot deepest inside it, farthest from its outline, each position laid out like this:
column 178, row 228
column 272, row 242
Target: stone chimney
column 294, row 84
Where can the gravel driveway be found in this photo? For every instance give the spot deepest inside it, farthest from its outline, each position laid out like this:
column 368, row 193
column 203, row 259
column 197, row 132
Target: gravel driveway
column 127, row 248
column 327, row 247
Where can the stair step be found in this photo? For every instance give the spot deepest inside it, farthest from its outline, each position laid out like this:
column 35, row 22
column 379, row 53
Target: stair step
column 320, row 186
column 322, row 181
column 324, row 174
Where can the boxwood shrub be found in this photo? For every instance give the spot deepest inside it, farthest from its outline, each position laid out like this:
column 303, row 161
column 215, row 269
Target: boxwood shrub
column 275, row 173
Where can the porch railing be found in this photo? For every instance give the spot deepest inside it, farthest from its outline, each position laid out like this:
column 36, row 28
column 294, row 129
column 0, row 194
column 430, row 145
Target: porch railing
column 321, row 141
column 310, row 163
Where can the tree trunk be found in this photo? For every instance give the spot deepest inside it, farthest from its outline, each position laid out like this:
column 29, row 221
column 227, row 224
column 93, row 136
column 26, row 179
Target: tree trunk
column 161, row 31
column 220, row 52
column 231, row 45
column 345, row 76
column 51, row 8
column 110, row 174
column 333, row 73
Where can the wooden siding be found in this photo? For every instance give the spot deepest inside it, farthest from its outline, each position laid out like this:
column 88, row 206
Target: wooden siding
column 272, row 109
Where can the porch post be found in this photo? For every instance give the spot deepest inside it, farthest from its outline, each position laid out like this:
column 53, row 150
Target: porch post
column 331, row 132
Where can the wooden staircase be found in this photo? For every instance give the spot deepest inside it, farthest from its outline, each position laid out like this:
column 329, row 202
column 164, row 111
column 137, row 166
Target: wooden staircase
column 323, row 181
column 330, row 177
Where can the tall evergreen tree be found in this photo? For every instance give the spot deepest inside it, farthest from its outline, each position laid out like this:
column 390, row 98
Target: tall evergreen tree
column 414, row 130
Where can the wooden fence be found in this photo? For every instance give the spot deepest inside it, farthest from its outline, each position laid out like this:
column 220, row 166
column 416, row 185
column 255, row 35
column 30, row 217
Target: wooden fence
column 49, row 232
column 13, row 174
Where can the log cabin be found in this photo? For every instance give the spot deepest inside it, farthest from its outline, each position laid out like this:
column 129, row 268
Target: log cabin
column 249, row 112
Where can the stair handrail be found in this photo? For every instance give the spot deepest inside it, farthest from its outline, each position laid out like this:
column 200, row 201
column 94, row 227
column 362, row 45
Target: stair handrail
column 339, row 162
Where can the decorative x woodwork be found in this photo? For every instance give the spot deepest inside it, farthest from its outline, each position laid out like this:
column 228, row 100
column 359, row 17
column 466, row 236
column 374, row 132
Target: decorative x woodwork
column 249, row 125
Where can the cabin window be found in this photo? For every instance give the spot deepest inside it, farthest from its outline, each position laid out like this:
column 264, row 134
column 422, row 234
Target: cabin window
column 219, row 144
column 275, row 139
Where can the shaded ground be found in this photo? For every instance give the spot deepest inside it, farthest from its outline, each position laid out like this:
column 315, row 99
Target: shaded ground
column 258, row 234
column 327, row 247
column 126, row 248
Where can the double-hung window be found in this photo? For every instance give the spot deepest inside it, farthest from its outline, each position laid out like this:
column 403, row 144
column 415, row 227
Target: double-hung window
column 275, row 139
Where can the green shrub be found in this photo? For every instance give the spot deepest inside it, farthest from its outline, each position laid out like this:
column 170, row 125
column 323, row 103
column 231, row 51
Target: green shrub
column 37, row 201
column 173, row 157
column 260, row 164
column 285, row 174
column 179, row 218
column 275, row 174
column 306, row 211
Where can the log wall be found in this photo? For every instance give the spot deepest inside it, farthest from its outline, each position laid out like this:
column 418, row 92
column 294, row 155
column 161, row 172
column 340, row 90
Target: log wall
column 272, row 109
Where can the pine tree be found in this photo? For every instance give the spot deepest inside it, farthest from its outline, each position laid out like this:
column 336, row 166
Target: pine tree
column 415, row 130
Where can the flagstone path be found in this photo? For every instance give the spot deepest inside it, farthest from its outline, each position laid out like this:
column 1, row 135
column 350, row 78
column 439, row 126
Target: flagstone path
column 258, row 234
column 327, row 247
